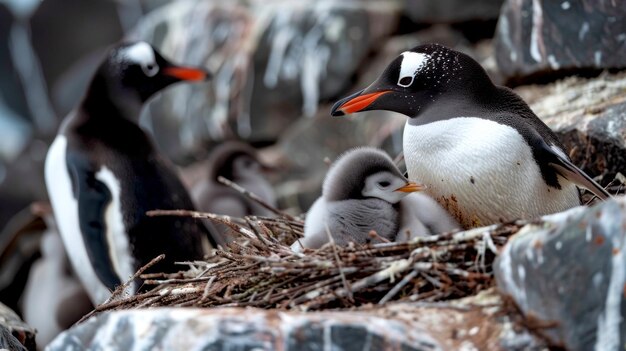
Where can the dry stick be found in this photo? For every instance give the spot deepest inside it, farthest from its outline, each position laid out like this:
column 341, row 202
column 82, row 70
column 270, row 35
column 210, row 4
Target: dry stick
column 368, row 281
column 269, row 234
column 375, row 235
column 312, row 287
column 407, row 278
column 226, row 220
column 254, row 197
column 252, row 224
column 149, row 301
column 277, row 220
column 339, row 265
column 177, row 281
column 122, row 287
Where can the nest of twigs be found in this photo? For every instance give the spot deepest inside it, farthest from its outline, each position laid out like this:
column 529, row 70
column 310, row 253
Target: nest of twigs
column 261, row 270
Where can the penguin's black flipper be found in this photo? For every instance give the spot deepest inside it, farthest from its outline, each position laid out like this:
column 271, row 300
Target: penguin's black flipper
column 93, row 196
column 568, row 170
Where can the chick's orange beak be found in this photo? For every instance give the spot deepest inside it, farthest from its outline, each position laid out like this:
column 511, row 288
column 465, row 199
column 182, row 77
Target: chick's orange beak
column 411, row 187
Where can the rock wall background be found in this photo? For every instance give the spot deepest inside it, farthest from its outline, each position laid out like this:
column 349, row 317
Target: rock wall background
column 278, row 65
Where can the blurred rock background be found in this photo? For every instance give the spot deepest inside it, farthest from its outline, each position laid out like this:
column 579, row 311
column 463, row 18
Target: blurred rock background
column 279, row 65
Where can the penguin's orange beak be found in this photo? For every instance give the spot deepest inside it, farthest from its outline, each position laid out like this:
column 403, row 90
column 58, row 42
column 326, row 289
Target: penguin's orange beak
column 186, row 73
column 356, row 102
column 411, row 187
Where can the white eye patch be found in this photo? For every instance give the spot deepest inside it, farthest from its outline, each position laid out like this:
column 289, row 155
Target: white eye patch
column 143, row 55
column 412, row 62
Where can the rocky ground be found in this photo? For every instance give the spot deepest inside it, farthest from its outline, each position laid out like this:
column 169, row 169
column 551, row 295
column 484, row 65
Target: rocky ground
column 479, row 322
column 559, row 283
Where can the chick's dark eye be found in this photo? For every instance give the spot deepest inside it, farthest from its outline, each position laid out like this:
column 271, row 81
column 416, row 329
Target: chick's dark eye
column 384, row 184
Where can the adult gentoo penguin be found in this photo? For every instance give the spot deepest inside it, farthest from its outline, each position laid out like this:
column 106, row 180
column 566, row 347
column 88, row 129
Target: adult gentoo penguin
column 365, row 191
column 238, row 162
column 103, row 173
column 480, row 150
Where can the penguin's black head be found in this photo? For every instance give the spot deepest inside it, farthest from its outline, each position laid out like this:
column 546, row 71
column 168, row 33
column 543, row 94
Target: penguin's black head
column 414, row 80
column 136, row 71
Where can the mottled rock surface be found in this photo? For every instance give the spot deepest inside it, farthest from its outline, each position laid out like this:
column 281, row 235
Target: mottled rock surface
column 568, row 275
column 272, row 61
column 589, row 115
column 13, row 330
column 538, row 38
column 451, row 11
column 471, row 324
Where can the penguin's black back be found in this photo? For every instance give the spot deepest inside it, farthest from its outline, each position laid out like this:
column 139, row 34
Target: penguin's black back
column 147, row 182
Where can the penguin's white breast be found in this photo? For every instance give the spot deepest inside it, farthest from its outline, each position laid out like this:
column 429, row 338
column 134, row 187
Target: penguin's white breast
column 117, row 238
column 481, row 171
column 65, row 208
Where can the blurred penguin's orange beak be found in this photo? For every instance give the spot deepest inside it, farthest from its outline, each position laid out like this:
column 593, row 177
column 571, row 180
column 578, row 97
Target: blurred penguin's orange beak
column 186, row 73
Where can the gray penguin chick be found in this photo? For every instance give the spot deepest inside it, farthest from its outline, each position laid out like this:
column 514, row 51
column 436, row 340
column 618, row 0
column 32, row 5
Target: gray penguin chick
column 362, row 192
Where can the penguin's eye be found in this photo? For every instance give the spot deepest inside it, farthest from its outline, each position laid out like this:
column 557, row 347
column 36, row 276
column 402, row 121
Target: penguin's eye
column 384, row 184
column 150, row 69
column 405, row 82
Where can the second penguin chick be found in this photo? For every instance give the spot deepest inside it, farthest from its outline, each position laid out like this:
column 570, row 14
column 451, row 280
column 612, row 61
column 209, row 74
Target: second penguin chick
column 237, row 162
column 421, row 215
column 361, row 193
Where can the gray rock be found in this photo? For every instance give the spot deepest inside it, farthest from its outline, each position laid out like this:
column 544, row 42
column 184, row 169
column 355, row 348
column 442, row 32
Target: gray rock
column 451, row 11
column 14, row 333
column 441, row 34
column 567, row 273
column 273, row 62
column 470, row 324
column 546, row 38
column 590, row 117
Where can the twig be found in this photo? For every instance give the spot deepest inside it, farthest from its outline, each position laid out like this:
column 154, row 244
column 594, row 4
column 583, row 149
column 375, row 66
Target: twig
column 226, row 220
column 407, row 278
column 339, row 265
column 253, row 197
